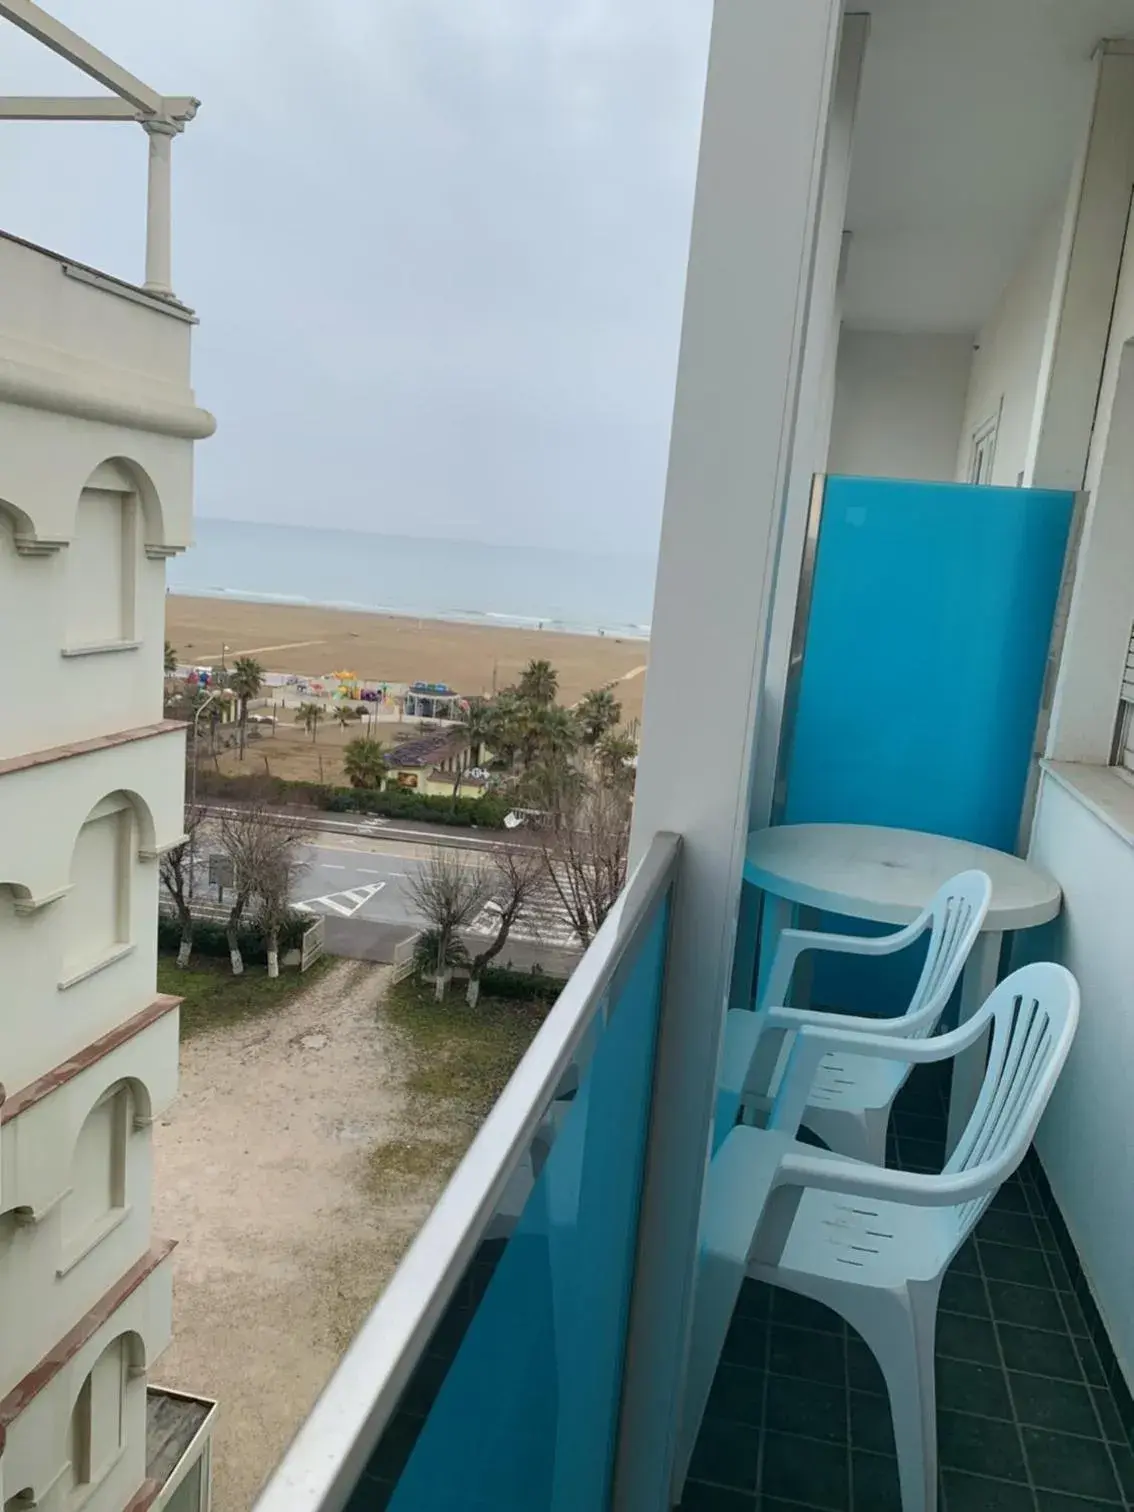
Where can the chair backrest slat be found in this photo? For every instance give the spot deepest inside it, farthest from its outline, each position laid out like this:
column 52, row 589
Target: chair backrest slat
column 954, row 917
column 1033, row 1015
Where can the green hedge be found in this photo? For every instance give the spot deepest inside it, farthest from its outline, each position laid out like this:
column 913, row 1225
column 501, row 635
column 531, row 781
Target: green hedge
column 524, row 986
column 404, row 803
column 209, row 938
column 391, row 803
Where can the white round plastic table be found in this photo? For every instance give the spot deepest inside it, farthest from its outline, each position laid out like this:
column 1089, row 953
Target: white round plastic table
column 888, row 876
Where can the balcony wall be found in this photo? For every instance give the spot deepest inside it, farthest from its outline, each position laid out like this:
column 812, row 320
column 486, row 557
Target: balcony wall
column 42, row 809
column 47, row 1275
column 1084, row 835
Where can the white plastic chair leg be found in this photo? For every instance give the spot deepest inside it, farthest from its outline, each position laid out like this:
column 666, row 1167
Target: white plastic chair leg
column 859, row 1133
column 899, row 1328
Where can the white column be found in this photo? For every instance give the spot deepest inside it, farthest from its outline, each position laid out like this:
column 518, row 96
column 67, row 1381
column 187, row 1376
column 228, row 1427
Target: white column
column 751, row 262
column 816, row 406
column 159, row 208
column 1090, row 258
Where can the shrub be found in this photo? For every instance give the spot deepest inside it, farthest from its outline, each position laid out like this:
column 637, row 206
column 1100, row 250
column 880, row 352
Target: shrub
column 209, row 938
column 522, row 986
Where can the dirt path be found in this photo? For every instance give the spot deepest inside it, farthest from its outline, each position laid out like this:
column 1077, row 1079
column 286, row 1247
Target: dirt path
column 263, row 1176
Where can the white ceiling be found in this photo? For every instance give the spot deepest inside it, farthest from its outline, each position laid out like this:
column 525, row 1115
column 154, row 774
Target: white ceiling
column 970, row 116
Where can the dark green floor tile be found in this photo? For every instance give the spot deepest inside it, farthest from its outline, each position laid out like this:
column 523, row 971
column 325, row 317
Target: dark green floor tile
column 979, row 1445
column 964, row 1387
column 1039, row 1353
column 1110, row 1419
column 726, row 1454
column 1081, row 1467
column 961, row 1338
column 812, row 1356
column 737, row 1395
column 803, row 1312
column 1089, row 1361
column 1073, row 1313
column 1009, row 1262
column 874, row 1481
column 701, row 1498
column 1011, row 1198
column 802, row 1470
column 807, row 1408
column 1055, row 1501
column 371, row 1496
column 427, row 1379
column 1019, row 1229
column 1060, row 1275
column 966, row 1259
column 965, row 1294
column 871, row 1426
column 746, row 1343
column 1027, row 1306
column 755, row 1300
column 863, row 1370
column 973, row 1493
column 921, row 1154
column 1124, row 1463
column 1062, row 1406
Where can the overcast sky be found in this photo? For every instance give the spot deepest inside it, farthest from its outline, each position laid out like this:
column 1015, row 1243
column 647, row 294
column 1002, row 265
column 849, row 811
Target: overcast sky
column 437, row 247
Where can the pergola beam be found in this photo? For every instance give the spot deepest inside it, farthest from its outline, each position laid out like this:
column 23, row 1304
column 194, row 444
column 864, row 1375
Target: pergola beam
column 89, row 107
column 68, row 44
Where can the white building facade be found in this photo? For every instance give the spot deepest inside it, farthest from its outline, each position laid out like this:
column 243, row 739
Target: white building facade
column 97, row 424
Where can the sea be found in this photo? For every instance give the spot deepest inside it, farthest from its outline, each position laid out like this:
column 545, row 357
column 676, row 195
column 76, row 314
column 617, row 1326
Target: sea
column 524, row 586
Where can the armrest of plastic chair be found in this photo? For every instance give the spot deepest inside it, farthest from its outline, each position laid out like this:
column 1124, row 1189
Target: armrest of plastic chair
column 792, row 943
column 813, row 1042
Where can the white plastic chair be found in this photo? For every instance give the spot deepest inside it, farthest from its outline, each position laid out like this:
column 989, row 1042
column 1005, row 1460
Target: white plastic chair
column 874, row 1244
column 851, row 1096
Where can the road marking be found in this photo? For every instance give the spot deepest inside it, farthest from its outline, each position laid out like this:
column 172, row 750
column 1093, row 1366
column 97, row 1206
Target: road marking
column 358, row 896
column 287, row 646
column 369, row 871
column 330, row 866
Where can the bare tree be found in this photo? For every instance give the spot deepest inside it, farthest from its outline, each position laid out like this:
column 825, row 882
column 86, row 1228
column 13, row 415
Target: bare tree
column 449, row 893
column 519, row 872
column 585, row 856
column 175, row 870
column 263, row 851
column 280, row 870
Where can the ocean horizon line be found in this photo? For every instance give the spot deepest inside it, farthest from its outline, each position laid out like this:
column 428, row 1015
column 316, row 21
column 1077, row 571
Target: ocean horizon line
column 491, row 618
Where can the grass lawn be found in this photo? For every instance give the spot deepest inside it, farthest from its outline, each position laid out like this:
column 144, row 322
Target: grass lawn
column 212, row 996
column 459, row 1061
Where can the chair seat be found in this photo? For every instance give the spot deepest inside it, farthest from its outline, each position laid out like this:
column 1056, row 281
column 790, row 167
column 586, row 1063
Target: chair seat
column 850, row 1083
column 863, row 1241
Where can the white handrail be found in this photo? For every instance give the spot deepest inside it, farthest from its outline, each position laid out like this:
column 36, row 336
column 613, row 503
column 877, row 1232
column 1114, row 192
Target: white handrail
column 323, row 1464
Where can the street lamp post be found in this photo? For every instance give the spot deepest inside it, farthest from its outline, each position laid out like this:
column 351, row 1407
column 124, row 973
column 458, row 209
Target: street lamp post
column 216, row 693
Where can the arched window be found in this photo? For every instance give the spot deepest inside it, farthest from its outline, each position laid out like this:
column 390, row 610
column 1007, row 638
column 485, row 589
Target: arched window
column 97, row 909
column 101, row 564
column 97, row 1421
column 97, row 1196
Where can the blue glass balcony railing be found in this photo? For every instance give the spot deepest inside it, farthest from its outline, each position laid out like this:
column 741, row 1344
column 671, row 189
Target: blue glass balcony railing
column 490, row 1373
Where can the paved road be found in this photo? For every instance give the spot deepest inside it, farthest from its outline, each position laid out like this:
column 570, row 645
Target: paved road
column 358, row 882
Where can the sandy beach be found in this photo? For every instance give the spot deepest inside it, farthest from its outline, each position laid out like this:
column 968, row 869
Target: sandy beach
column 472, row 658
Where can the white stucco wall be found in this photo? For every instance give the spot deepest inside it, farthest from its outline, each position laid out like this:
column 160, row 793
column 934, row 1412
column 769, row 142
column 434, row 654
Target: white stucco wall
column 899, row 401
column 1006, row 365
column 1086, row 1141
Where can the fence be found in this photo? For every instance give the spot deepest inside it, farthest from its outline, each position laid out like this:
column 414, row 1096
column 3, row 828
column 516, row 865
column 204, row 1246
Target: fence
column 313, row 946
column 404, row 952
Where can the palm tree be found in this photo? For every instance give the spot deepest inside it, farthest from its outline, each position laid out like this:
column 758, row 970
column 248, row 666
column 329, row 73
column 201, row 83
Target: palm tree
column 614, row 756
column 539, row 683
column 503, row 726
column 597, row 712
column 548, row 732
column 246, row 680
column 478, row 725
column 364, row 762
column 345, row 714
column 170, row 659
column 309, row 715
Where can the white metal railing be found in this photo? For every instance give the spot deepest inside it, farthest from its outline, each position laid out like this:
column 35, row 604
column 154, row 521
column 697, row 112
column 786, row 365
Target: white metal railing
column 325, row 1460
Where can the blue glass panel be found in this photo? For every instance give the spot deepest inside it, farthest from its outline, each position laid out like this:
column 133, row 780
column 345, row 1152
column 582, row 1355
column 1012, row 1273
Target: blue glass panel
column 923, row 667
column 516, row 1406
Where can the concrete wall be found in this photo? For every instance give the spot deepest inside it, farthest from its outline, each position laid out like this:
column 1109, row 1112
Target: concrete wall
column 1086, row 1141
column 1006, row 367
column 899, row 401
